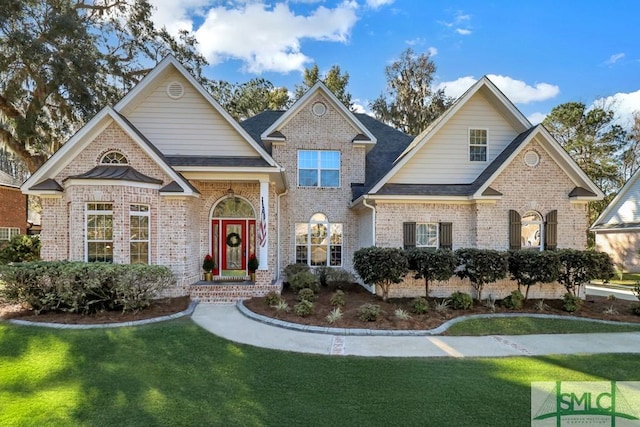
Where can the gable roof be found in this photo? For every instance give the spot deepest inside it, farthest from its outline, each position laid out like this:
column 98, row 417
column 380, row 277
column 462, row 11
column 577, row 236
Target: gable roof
column 162, row 68
column 630, row 190
column 84, row 136
column 300, row 103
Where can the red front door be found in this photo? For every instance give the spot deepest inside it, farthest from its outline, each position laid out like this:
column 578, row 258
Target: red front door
column 233, row 245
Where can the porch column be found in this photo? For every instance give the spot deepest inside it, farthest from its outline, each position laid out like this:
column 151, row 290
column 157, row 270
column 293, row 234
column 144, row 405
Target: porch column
column 263, row 227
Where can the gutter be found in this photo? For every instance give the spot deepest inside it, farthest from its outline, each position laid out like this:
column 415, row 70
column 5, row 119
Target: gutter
column 373, row 219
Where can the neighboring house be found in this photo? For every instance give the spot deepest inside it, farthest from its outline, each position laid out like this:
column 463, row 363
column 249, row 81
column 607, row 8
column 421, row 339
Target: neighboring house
column 13, row 208
column 617, row 229
column 167, row 176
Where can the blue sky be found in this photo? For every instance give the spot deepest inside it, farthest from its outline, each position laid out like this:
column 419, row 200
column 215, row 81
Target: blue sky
column 540, row 53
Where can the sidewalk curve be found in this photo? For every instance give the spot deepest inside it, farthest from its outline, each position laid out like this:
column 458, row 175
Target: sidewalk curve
column 226, row 321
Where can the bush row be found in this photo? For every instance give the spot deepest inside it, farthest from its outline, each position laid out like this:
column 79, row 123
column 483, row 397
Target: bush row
column 80, row 287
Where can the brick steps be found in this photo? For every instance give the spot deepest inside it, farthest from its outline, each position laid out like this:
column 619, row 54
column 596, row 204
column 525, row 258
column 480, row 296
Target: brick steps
column 222, row 292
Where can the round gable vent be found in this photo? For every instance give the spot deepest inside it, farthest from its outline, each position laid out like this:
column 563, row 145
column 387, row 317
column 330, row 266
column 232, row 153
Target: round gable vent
column 319, row 109
column 175, row 90
column 531, row 158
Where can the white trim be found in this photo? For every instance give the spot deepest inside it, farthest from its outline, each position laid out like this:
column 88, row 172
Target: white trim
column 110, row 183
column 616, row 200
column 437, row 226
column 88, row 212
column 300, row 103
column 539, row 223
column 146, row 214
column 614, row 229
column 469, row 145
column 11, row 232
column 328, row 245
column 319, row 169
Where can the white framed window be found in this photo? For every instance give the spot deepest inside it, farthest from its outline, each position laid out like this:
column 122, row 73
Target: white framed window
column 114, row 158
column 99, row 235
column 139, row 234
column 318, row 168
column 427, row 235
column 531, row 231
column 319, row 242
column 7, row 233
column 478, row 142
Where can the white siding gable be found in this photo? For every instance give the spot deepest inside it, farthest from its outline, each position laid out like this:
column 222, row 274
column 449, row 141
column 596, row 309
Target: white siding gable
column 189, row 125
column 444, row 159
column 627, row 208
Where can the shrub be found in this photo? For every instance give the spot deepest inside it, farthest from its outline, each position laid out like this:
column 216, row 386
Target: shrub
column 20, row 248
column 334, row 315
column 401, row 314
column 461, row 300
column 79, row 287
column 304, row 308
column 420, row 305
column 293, row 269
column 432, row 265
column 381, row 266
column 571, row 303
column 441, row 306
column 306, row 294
column 272, row 298
column 578, row 268
column 529, row 267
column 322, row 273
column 304, row 279
column 481, row 266
column 338, row 299
column 282, row 306
column 339, row 277
column 369, row 312
column 514, row 301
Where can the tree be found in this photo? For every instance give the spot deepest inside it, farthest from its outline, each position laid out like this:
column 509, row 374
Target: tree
column 381, row 266
column 630, row 158
column 61, row 61
column 334, row 80
column 410, row 102
column 481, row 266
column 578, row 268
column 432, row 265
column 530, row 267
column 255, row 96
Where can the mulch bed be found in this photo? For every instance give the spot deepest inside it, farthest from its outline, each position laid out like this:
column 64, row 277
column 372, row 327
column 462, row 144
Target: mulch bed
column 593, row 307
column 159, row 307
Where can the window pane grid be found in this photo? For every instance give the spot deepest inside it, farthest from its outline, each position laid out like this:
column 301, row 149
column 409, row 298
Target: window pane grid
column 139, row 234
column 99, row 232
column 427, row 235
column 478, row 145
column 318, row 168
column 7, row 233
column 319, row 243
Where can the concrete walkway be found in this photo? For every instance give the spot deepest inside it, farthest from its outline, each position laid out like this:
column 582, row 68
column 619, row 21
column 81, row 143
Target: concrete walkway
column 226, row 321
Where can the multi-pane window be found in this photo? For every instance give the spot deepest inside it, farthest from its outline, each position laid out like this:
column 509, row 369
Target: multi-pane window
column 531, row 231
column 478, row 145
column 139, row 234
column 114, row 158
column 427, row 235
column 99, row 232
column 6, row 233
column 318, row 242
column 318, row 168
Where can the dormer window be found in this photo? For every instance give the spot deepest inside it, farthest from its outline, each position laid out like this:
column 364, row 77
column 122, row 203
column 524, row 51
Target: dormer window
column 478, row 141
column 114, row 158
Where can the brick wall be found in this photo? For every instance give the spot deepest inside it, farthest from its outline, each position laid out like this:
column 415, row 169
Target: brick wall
column 13, row 208
column 305, row 131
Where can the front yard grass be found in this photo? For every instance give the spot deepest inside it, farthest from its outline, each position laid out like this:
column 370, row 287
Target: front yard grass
column 531, row 325
column 177, row 374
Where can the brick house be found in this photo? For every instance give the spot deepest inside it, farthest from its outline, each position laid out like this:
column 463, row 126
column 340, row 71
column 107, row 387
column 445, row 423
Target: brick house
column 166, row 176
column 13, row 208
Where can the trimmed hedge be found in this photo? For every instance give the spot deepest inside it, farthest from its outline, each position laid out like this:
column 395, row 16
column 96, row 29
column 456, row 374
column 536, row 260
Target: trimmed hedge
column 80, row 287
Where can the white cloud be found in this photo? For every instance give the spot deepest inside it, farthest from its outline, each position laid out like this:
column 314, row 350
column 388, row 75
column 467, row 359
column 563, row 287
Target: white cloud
column 623, row 104
column 432, row 51
column 536, row 117
column 374, row 4
column 461, row 23
column 614, row 58
column 517, row 91
column 265, row 37
column 463, row 31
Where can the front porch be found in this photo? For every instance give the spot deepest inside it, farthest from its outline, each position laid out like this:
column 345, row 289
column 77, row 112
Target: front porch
column 228, row 289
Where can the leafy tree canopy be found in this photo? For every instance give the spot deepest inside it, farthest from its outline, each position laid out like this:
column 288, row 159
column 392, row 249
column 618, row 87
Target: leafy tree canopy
column 335, row 81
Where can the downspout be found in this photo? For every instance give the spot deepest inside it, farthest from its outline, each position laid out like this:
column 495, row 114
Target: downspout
column 278, row 224
column 373, row 220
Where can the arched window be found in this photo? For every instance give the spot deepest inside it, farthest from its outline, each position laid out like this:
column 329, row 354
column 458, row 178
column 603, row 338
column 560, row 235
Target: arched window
column 532, row 233
column 319, row 242
column 114, row 158
column 233, row 207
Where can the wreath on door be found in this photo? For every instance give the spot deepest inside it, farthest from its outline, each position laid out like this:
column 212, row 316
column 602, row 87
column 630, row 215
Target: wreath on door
column 233, row 240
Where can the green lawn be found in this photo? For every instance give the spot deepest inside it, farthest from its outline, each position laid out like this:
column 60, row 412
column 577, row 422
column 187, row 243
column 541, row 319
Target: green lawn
column 628, row 279
column 177, row 374
column 532, row 325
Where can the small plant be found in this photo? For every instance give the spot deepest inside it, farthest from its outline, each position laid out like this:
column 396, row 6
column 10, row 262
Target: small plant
column 208, row 264
column 369, row 312
column 306, row 294
column 611, row 310
column 514, row 301
column 304, row 279
column 338, row 299
column 441, row 306
column 490, row 303
column 636, row 310
column 611, row 297
column 282, row 306
column 461, row 301
column 253, row 263
column 571, row 303
column 322, row 273
column 420, row 305
column 541, row 306
column 636, row 289
column 304, row 308
column 401, row 314
column 272, row 298
column 334, row 315
column 293, row 269
column 339, row 278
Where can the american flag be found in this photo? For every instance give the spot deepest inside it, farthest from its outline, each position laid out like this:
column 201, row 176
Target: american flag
column 262, row 229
